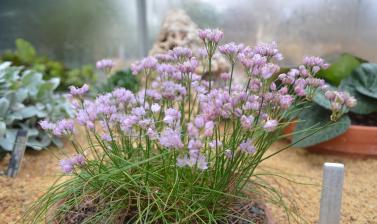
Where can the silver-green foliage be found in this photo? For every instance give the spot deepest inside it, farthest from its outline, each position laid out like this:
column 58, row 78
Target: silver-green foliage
column 362, row 84
column 25, row 99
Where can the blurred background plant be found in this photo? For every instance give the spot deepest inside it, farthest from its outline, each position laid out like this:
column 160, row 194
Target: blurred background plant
column 121, row 78
column 25, row 55
column 25, row 99
column 353, row 75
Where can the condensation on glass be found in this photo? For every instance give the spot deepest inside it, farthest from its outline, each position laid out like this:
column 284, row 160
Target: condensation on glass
column 317, row 27
column 86, row 30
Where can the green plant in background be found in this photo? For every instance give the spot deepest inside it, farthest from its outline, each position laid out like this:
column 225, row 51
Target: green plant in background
column 123, row 79
column 25, row 99
column 360, row 83
column 340, row 68
column 26, row 55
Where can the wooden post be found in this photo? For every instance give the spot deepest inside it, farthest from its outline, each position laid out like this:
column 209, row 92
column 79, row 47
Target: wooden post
column 17, row 153
column 331, row 196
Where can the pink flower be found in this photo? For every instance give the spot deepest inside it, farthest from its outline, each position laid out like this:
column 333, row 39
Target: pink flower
column 211, row 35
column 78, row 160
column 199, row 121
column 46, row 125
column 180, row 53
column 188, row 66
column 351, row 102
column 213, row 144
column 66, row 166
column 171, row 139
column 145, row 64
column 74, row 91
column 269, row 50
column 172, row 116
column 105, row 64
column 270, row 125
column 247, row 146
column 285, row 101
column 195, row 145
column 199, row 161
column 63, row 127
column 124, row 96
column 268, row 70
column 106, row 137
column 247, row 121
column 208, row 128
column 316, row 63
column 225, row 76
column 192, row 130
column 155, row 108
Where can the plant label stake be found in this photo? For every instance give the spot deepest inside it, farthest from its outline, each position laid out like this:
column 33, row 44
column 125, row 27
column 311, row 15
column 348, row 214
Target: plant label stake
column 331, row 196
column 17, row 153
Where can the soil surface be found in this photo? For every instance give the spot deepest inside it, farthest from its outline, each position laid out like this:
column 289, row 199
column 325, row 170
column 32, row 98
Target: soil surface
column 40, row 169
column 367, row 119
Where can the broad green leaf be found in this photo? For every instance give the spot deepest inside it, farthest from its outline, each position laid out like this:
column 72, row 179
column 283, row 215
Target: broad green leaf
column 365, row 104
column 364, row 78
column 10, row 118
column 3, row 128
column 31, row 131
column 39, row 142
column 30, row 111
column 21, row 94
column 31, row 80
column 4, row 105
column 320, row 99
column 5, row 65
column 314, row 126
column 55, row 82
column 7, row 141
column 340, row 69
column 25, row 50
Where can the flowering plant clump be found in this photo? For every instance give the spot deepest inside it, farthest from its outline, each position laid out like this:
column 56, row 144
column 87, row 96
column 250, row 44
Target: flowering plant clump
column 183, row 149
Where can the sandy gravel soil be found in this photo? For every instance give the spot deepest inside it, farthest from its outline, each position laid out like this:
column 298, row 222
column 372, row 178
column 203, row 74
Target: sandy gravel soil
column 40, row 169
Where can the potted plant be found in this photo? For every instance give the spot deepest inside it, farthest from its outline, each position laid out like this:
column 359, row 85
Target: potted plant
column 356, row 131
column 183, row 149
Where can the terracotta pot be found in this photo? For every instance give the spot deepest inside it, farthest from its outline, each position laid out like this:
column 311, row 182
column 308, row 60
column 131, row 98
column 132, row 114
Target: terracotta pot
column 356, row 140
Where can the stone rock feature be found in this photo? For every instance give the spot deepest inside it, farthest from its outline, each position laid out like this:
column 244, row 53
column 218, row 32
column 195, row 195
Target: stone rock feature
column 178, row 30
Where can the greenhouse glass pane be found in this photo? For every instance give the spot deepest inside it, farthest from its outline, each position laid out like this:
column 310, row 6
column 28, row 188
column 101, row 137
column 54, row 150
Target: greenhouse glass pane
column 76, row 32
column 318, row 27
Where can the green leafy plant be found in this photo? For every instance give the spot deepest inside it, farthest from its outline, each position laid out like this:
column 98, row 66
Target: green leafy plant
column 25, row 99
column 340, row 68
column 124, row 79
column 361, row 83
column 25, row 55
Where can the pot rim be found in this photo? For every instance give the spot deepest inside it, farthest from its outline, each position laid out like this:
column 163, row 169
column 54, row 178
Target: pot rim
column 363, row 127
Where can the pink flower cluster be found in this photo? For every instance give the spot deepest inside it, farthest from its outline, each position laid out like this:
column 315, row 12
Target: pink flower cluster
column 67, row 165
column 178, row 111
column 105, row 64
column 209, row 35
column 231, row 50
column 62, row 127
column 74, row 91
column 340, row 102
column 145, row 65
